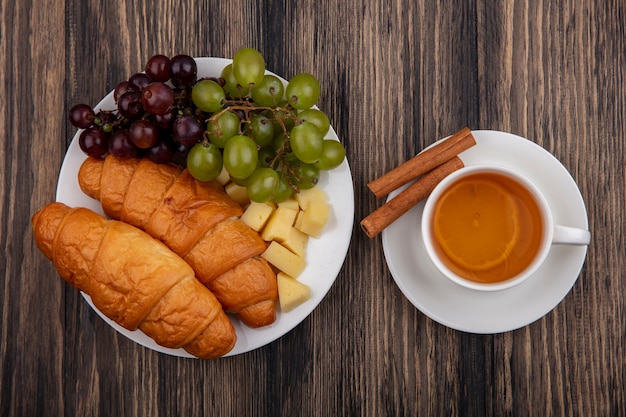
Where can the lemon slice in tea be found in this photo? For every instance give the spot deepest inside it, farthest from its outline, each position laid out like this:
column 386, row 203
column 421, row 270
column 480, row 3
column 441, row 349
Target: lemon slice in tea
column 475, row 223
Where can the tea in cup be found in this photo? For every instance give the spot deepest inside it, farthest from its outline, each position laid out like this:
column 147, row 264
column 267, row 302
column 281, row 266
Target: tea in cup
column 487, row 227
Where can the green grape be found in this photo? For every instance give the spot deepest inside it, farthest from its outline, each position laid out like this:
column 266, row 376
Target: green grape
column 208, row 96
column 248, row 67
column 269, row 92
column 279, row 139
column 282, row 117
column 307, row 176
column 261, row 130
column 232, row 87
column 266, row 155
column 283, row 191
column 307, row 143
column 292, row 159
column 303, row 91
column 262, row 185
column 332, row 156
column 317, row 117
column 288, row 163
column 204, row 161
column 222, row 129
column 240, row 156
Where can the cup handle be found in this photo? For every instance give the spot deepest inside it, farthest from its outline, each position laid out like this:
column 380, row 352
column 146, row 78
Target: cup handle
column 565, row 235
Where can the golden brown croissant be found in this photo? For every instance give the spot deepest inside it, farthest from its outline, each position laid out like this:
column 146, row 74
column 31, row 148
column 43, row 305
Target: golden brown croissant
column 134, row 280
column 197, row 220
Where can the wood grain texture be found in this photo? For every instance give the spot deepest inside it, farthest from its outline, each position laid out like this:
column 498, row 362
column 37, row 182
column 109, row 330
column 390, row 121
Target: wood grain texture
column 396, row 76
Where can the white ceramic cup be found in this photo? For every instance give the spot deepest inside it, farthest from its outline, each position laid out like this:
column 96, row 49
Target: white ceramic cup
column 553, row 234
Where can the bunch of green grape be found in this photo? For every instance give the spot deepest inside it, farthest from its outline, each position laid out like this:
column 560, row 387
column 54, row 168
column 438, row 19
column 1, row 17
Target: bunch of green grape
column 268, row 136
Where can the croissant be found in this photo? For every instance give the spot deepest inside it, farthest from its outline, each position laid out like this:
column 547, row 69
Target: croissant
column 197, row 220
column 134, row 280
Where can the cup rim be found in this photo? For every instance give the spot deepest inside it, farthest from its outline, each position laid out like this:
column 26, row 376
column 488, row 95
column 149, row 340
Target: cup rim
column 541, row 254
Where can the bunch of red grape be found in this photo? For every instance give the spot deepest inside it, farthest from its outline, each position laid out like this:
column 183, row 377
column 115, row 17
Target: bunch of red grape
column 268, row 136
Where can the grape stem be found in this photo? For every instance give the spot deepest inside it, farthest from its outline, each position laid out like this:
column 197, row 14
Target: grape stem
column 248, row 107
column 280, row 114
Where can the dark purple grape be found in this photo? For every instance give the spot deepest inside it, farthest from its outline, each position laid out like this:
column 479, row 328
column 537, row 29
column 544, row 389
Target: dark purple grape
column 121, row 146
column 163, row 151
column 183, row 70
column 81, row 116
column 158, row 68
column 187, row 130
column 164, row 121
column 157, row 97
column 180, row 155
column 93, row 142
column 122, row 88
column 129, row 105
column 140, row 80
column 143, row 133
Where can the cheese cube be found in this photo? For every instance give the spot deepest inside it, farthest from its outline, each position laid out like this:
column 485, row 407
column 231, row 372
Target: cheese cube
column 298, row 222
column 257, row 214
column 283, row 259
column 224, row 177
column 238, row 193
column 290, row 203
column 291, row 292
column 296, row 242
column 305, row 197
column 315, row 218
column 279, row 224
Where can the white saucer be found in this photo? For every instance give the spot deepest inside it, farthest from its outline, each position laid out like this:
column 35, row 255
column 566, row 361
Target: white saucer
column 492, row 312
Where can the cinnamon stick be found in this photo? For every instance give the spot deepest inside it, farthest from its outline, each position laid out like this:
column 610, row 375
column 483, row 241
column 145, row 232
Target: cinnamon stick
column 423, row 162
column 389, row 212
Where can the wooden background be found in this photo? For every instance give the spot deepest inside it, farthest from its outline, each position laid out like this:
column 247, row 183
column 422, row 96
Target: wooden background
column 396, row 75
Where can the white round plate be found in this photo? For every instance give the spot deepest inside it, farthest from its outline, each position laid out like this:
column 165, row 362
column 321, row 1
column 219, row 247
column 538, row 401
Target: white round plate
column 500, row 311
column 325, row 255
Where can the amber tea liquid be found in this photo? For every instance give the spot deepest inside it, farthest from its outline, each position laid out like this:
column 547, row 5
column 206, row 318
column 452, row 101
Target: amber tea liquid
column 487, row 227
